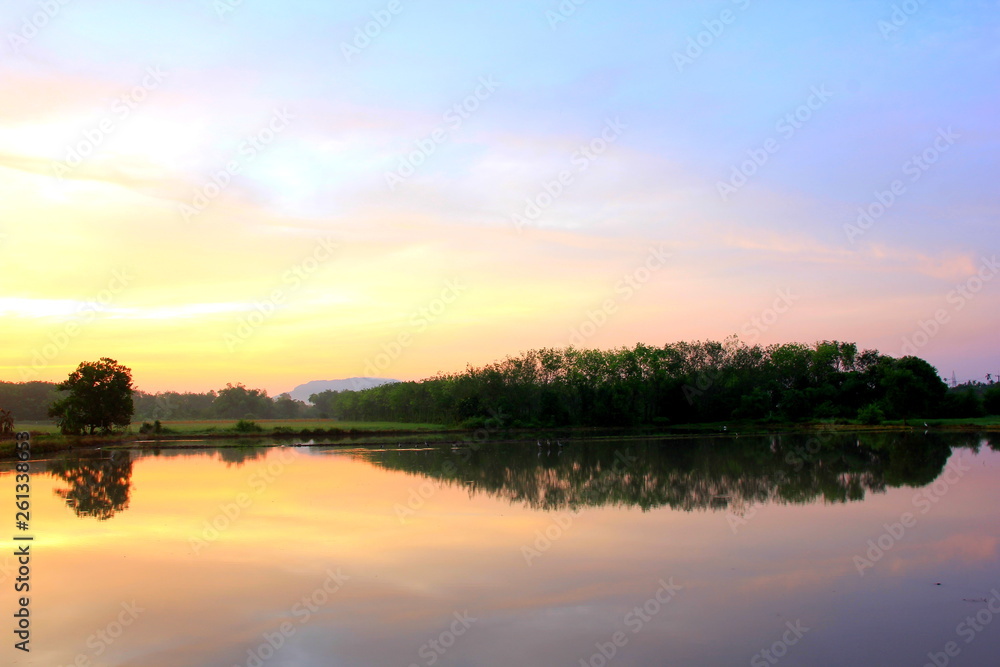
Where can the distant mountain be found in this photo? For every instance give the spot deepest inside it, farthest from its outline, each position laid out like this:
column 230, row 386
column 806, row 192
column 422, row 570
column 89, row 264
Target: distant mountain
column 304, row 391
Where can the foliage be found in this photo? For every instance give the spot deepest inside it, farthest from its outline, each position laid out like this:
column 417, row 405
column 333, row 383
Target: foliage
column 28, row 401
column 678, row 383
column 247, row 426
column 232, row 402
column 691, row 474
column 991, row 400
column 100, row 398
column 99, row 484
column 871, row 415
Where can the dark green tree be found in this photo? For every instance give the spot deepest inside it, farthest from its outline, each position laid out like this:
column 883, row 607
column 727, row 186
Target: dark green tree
column 239, row 402
column 991, row 400
column 100, row 398
column 912, row 387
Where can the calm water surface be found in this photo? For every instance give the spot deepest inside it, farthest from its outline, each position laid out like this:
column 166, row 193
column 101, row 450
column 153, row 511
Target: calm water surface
column 841, row 550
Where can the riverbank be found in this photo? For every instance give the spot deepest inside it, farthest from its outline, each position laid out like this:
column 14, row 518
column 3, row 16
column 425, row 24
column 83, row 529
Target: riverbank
column 175, row 435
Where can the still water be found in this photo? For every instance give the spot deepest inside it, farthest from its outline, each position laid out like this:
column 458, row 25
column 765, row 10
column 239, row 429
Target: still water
column 836, row 550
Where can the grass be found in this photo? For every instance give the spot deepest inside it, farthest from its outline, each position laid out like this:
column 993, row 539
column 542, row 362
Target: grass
column 197, row 426
column 949, row 423
column 217, row 426
column 36, row 427
column 48, row 438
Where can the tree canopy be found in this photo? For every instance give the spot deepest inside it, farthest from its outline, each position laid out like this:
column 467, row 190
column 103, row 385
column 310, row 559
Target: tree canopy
column 100, row 398
column 677, row 383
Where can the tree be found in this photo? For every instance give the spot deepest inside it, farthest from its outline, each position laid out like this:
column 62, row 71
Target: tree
column 991, row 400
column 100, row 397
column 238, row 402
column 912, row 387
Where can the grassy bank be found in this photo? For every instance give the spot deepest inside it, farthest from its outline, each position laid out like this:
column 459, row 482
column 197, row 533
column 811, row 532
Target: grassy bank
column 46, row 438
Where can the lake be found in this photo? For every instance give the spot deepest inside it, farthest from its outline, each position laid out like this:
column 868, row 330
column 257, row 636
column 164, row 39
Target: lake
column 834, row 549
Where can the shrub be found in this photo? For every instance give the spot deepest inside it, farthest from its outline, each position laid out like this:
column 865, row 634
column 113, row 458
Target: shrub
column 247, row 426
column 871, row 415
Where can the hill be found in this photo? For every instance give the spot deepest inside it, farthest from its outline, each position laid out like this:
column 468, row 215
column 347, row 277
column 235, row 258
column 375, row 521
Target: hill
column 304, row 391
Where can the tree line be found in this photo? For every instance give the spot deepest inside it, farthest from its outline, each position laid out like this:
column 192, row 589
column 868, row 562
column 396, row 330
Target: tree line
column 673, row 384
column 555, row 387
column 99, row 397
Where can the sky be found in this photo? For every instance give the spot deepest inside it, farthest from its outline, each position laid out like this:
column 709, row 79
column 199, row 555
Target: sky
column 215, row 191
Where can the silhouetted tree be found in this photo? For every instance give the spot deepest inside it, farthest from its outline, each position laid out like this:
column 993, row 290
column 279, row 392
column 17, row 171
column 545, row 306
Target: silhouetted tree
column 100, row 397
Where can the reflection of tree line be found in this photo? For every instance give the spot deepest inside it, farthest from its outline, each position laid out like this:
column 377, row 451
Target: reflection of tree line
column 100, row 483
column 693, row 474
column 684, row 474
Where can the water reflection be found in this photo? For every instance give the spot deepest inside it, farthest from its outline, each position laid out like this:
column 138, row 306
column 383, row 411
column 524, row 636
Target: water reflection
column 690, row 474
column 275, row 522
column 240, row 456
column 693, row 474
column 99, row 482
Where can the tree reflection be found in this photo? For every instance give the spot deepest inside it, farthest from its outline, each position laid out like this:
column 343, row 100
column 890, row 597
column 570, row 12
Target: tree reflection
column 239, row 456
column 99, row 484
column 689, row 474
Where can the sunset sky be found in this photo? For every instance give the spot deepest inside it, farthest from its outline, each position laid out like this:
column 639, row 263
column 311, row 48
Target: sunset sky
column 259, row 191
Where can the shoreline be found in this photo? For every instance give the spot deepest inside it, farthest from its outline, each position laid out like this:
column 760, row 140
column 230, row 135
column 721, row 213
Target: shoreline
column 51, row 443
